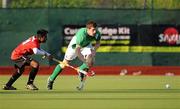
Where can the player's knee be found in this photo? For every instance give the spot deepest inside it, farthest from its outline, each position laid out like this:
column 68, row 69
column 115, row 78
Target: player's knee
column 20, row 70
column 90, row 60
column 34, row 64
column 90, row 64
column 62, row 66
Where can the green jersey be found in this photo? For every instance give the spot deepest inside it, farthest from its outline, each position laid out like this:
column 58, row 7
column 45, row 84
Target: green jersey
column 83, row 39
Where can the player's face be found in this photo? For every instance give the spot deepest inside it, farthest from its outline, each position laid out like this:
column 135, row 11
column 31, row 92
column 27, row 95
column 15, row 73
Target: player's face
column 43, row 39
column 91, row 31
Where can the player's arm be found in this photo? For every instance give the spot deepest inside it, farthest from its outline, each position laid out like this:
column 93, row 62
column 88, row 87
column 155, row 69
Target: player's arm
column 94, row 49
column 98, row 39
column 97, row 45
column 78, row 53
column 40, row 51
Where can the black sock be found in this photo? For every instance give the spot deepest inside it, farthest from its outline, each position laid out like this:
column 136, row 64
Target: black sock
column 13, row 78
column 83, row 75
column 32, row 75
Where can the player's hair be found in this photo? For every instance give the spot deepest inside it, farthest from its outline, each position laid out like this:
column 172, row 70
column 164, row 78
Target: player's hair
column 90, row 24
column 41, row 32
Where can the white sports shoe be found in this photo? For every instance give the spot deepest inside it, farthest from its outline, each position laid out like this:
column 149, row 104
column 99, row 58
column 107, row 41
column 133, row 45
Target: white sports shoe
column 31, row 87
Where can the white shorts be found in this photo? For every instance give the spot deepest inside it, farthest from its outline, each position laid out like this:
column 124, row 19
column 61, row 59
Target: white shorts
column 70, row 52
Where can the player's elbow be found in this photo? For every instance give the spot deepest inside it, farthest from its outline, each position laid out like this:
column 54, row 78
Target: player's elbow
column 35, row 50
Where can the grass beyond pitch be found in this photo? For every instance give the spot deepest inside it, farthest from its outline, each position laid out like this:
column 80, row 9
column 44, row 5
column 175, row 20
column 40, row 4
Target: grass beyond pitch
column 101, row 92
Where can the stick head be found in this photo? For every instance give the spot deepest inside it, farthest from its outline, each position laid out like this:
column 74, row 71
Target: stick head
column 91, row 73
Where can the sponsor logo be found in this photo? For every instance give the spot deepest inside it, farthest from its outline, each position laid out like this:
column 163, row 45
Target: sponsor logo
column 170, row 36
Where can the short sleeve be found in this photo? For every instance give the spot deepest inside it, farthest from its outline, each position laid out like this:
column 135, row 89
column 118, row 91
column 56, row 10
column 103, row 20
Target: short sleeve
column 35, row 43
column 79, row 37
column 98, row 36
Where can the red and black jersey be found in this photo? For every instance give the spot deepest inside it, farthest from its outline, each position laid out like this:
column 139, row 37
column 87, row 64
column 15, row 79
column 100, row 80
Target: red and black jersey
column 25, row 48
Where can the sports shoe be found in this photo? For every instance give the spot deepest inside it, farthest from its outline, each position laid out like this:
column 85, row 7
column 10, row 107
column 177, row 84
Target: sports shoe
column 81, row 85
column 5, row 87
column 79, row 88
column 49, row 84
column 91, row 73
column 31, row 87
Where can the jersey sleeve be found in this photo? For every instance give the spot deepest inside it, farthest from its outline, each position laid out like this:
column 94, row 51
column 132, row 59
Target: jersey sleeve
column 79, row 37
column 98, row 36
column 35, row 44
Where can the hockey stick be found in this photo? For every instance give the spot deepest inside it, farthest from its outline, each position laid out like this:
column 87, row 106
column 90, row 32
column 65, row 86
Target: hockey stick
column 77, row 69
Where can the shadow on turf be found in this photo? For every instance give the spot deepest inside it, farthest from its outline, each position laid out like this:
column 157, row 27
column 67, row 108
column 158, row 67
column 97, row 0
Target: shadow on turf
column 92, row 91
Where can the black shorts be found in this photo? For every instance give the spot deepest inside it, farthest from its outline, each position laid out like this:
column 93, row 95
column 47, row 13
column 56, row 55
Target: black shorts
column 23, row 61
